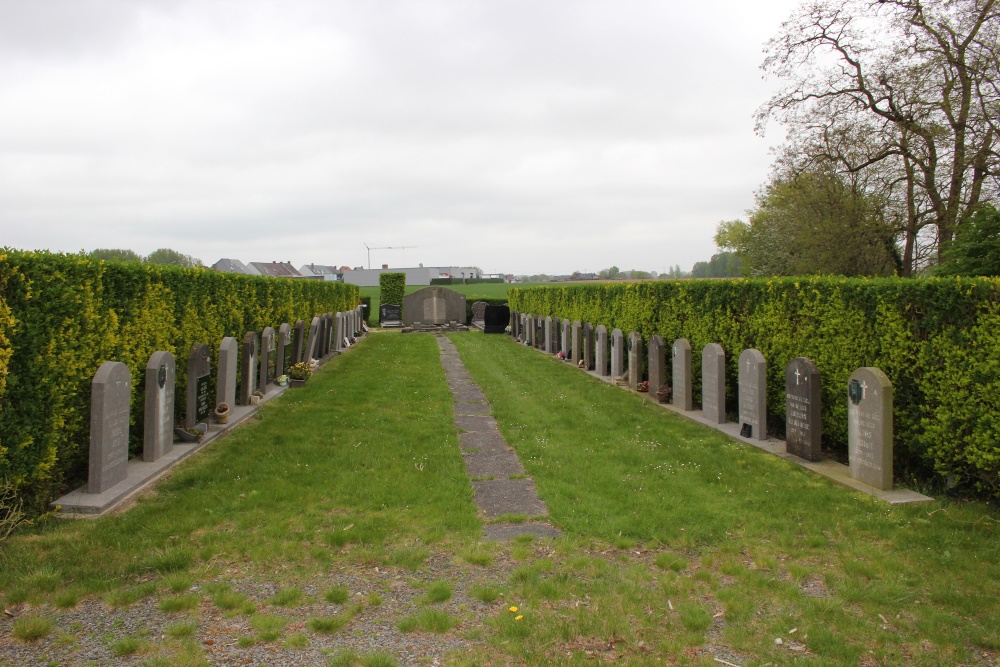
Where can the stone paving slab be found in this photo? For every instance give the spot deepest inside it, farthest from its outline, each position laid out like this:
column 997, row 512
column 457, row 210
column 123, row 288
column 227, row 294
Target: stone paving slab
column 497, row 497
column 482, row 441
column 506, row 531
column 499, row 463
column 476, row 423
column 472, row 409
column 470, row 394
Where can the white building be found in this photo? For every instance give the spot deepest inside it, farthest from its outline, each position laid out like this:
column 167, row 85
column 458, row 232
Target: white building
column 421, row 275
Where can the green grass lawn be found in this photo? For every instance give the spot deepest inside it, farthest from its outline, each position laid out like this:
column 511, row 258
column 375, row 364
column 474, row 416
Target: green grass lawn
column 680, row 546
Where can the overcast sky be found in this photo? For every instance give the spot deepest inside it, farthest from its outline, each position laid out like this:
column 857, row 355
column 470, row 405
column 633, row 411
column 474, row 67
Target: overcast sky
column 520, row 137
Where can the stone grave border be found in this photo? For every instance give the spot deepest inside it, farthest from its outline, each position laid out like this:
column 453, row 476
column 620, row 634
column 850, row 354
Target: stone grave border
column 838, row 472
column 140, row 475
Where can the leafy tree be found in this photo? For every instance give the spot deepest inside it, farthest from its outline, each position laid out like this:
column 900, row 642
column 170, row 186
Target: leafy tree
column 115, row 255
column 612, row 273
column 975, row 251
column 168, row 256
column 724, row 264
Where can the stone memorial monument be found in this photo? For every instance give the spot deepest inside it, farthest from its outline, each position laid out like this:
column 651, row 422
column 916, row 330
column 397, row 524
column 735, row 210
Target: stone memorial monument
column 225, row 386
column 433, row 305
column 496, row 319
column 390, row 316
column 803, row 427
column 158, row 415
column 753, row 395
column 575, row 341
column 564, row 344
column 550, row 336
column 601, row 354
column 110, row 392
column 267, row 349
column 248, row 370
column 199, row 385
column 634, row 359
column 617, row 353
column 284, row 343
column 657, row 364
column 683, row 397
column 713, row 383
column 479, row 311
column 869, row 427
column 312, row 345
column 299, row 342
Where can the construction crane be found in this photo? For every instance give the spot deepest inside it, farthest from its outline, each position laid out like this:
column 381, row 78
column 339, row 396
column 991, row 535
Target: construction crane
column 388, row 247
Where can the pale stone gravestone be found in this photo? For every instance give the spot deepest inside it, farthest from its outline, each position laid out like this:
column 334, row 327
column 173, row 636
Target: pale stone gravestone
column 433, row 305
column 753, row 394
column 713, row 383
column 526, row 329
column 634, row 359
column 601, row 353
column 657, row 364
column 339, row 327
column 158, row 416
column 802, row 409
column 496, row 319
column 284, row 340
column 225, row 387
column 683, row 398
column 479, row 311
column 199, row 385
column 564, row 345
column 539, row 333
column 550, row 337
column 575, row 345
column 312, row 345
column 869, row 427
column 298, row 342
column 390, row 315
column 589, row 346
column 110, row 392
column 617, row 353
column 267, row 348
column 248, row 370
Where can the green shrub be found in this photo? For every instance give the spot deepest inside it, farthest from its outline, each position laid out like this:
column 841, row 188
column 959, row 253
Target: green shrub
column 392, row 287
column 935, row 339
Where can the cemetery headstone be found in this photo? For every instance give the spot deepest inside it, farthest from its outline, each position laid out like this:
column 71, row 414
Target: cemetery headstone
column 495, row 319
column 284, row 340
column 713, row 383
column 298, row 342
column 158, row 416
column 753, row 394
column 549, row 335
column 339, row 331
column 312, row 345
column 589, row 346
column 539, row 339
column 479, row 311
column 617, row 353
column 110, row 392
column 248, row 369
column 803, row 428
column 657, row 364
column 564, row 344
column 433, row 305
column 869, row 427
column 682, row 392
column 601, row 354
column 225, row 387
column 390, row 315
column 267, row 348
column 634, row 359
column 515, row 323
column 575, row 344
column 199, row 385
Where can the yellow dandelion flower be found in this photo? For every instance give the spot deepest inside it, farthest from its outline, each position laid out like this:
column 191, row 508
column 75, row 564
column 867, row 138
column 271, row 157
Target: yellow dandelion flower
column 513, row 610
column 518, row 618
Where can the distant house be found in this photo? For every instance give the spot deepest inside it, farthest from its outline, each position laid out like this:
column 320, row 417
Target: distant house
column 276, row 269
column 321, row 272
column 234, row 266
column 421, row 275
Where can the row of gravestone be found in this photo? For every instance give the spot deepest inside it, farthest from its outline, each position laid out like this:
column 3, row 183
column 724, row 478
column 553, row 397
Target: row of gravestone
column 111, row 388
column 869, row 391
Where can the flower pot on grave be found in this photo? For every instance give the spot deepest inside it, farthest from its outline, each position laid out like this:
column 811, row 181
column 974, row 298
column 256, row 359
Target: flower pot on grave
column 255, row 400
column 222, row 413
column 296, row 383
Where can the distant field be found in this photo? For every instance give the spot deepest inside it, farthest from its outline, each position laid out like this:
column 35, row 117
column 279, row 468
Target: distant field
column 471, row 292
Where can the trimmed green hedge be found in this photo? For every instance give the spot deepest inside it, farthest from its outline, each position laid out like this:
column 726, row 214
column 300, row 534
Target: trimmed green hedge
column 937, row 339
column 392, row 288
column 62, row 316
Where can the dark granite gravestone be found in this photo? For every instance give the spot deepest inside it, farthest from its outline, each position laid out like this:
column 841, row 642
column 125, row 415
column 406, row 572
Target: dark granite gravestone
column 683, row 398
column 590, row 346
column 495, row 319
column 576, row 341
column 199, row 385
column 298, row 342
column 433, row 305
column 110, row 392
column 158, row 415
column 284, row 341
column 539, row 338
column 713, row 383
column 267, row 349
column 312, row 345
column 657, row 364
column 390, row 315
column 634, row 359
column 248, row 369
column 802, row 409
column 617, row 353
column 869, row 427
column 515, row 323
column 225, row 386
column 601, row 353
column 753, row 393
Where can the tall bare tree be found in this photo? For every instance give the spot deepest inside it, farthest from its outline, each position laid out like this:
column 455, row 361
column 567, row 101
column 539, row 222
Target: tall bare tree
column 903, row 92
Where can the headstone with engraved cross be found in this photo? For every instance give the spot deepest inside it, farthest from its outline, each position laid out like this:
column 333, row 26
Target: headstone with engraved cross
column 802, row 409
column 869, row 427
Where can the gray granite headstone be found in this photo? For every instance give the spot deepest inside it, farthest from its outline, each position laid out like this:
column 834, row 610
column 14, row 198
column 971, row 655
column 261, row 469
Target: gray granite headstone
column 564, row 345
column 576, row 341
column 617, row 353
column 515, row 323
column 657, row 364
column 267, row 349
column 539, row 339
column 248, row 369
column 550, row 337
column 199, row 385
column 753, row 394
column 158, row 416
column 479, row 311
column 634, row 359
column 298, row 341
column 284, row 343
column 601, row 354
column 339, row 327
column 225, row 386
column 110, row 392
column 312, row 345
column 432, row 305
column 869, row 427
column 803, row 427
column 713, row 383
column 590, row 346
column 683, row 398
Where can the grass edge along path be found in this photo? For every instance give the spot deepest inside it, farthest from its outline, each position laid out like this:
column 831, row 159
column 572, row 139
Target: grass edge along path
column 758, row 544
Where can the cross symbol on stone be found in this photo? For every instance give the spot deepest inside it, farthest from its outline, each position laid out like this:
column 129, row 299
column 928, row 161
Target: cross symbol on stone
column 798, row 373
column 748, row 365
column 864, row 390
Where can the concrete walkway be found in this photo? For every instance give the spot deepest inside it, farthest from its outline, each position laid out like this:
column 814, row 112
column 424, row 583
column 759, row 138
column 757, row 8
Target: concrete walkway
column 501, row 487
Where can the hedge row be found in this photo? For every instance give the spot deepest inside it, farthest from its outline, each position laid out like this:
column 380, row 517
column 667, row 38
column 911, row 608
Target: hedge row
column 62, row 316
column 392, row 288
column 938, row 340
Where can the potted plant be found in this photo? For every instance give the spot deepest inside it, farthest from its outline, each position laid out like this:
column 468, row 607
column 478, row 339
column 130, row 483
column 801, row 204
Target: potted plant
column 191, row 434
column 299, row 373
column 256, row 397
column 222, row 412
column 282, row 380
